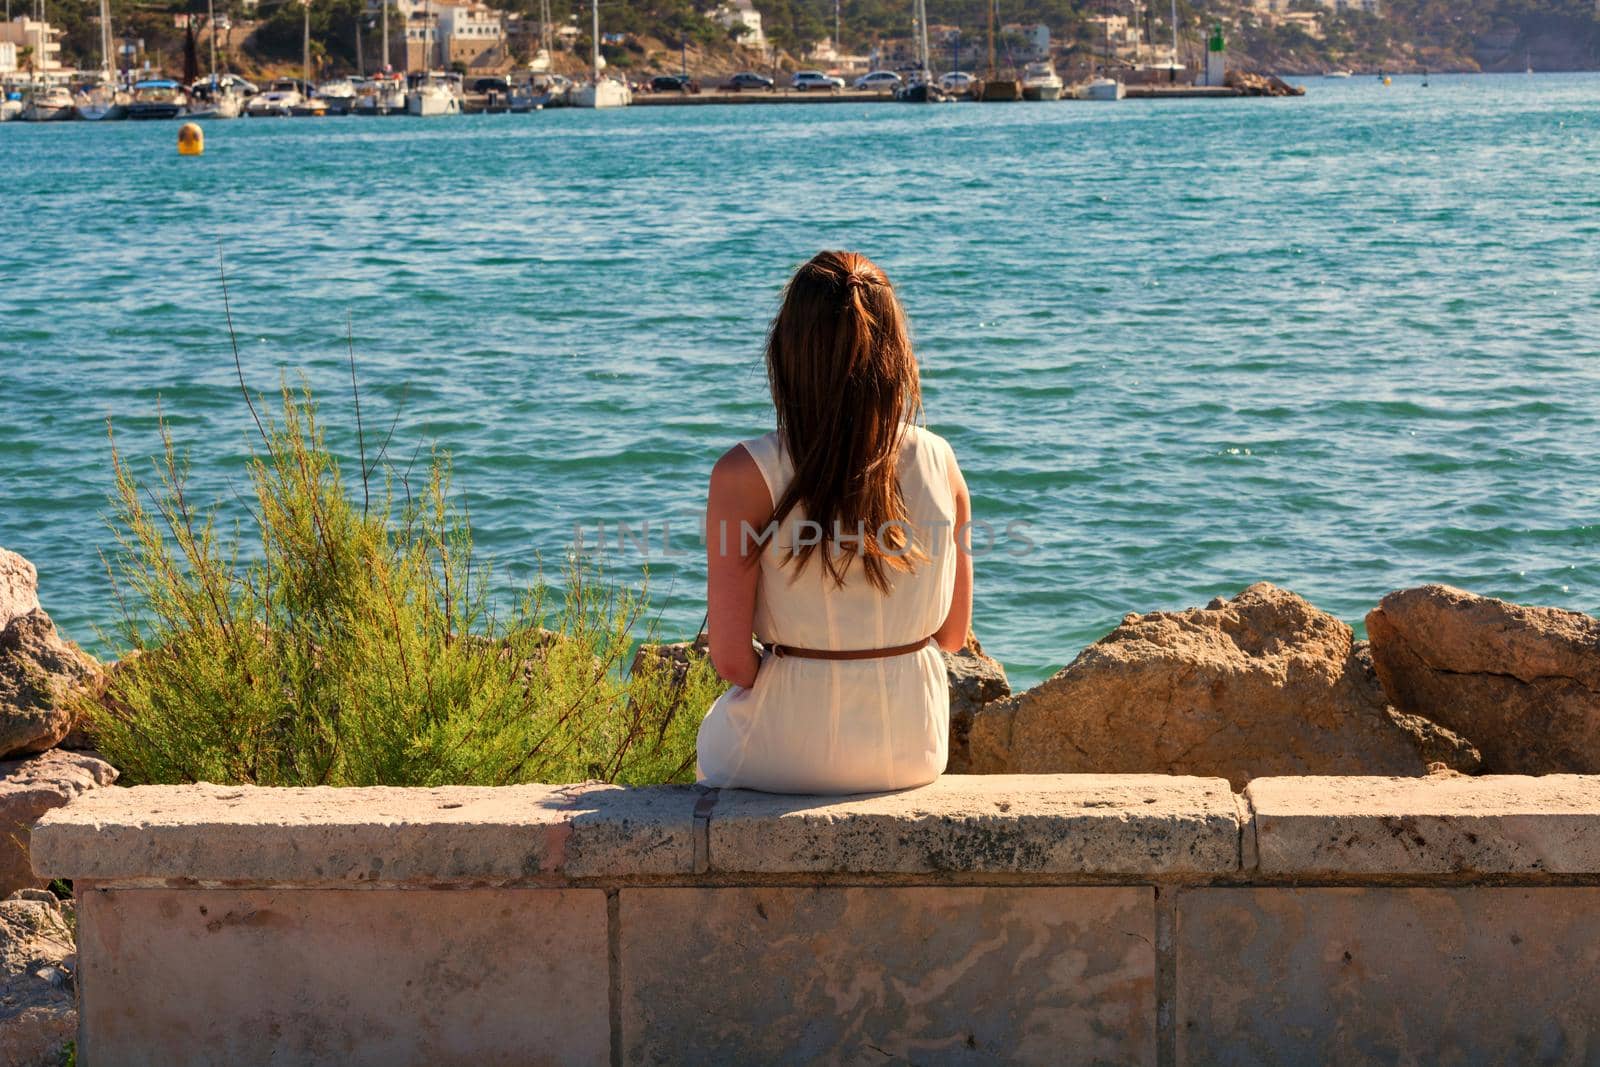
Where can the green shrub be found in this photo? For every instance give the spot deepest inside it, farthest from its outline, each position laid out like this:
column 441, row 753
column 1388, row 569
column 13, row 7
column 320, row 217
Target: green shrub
column 357, row 643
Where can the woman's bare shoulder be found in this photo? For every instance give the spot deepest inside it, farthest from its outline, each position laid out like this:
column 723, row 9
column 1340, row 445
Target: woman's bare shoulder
column 738, row 472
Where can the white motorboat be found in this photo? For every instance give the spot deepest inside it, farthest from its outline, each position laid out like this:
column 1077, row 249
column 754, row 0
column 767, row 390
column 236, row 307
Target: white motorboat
column 1041, row 82
column 542, row 91
column 433, row 95
column 381, row 94
column 1102, row 89
column 599, row 91
column 47, row 103
column 339, row 95
column 278, row 101
column 10, row 107
column 1338, row 74
column 158, row 99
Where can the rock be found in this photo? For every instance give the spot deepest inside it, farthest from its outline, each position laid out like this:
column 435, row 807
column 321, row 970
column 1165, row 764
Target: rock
column 678, row 657
column 1522, row 682
column 28, row 789
column 1260, row 84
column 38, row 672
column 38, row 964
column 1263, row 684
column 19, row 587
column 975, row 680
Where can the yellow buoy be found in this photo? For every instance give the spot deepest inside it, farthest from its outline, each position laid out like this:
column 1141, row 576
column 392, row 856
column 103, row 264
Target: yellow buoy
column 191, row 142
column 1387, row 80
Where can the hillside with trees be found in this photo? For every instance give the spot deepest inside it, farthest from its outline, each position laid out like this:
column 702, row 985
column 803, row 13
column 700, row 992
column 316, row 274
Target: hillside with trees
column 1410, row 34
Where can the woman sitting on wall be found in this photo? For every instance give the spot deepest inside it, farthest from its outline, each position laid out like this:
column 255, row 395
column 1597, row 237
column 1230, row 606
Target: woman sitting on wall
column 838, row 541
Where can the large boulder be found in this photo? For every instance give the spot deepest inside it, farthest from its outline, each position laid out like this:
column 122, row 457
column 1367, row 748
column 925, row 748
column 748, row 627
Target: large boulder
column 38, row 1009
column 19, row 587
column 1523, row 683
column 28, row 789
column 38, row 674
column 976, row 679
column 1262, row 684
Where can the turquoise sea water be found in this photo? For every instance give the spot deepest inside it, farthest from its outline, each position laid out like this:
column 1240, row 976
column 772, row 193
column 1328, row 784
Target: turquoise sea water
column 1345, row 343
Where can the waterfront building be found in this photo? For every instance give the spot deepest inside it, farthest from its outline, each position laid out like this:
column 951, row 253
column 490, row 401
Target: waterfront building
column 1285, row 8
column 8, row 58
column 439, row 33
column 741, row 13
column 1035, row 38
column 22, row 33
column 1121, row 33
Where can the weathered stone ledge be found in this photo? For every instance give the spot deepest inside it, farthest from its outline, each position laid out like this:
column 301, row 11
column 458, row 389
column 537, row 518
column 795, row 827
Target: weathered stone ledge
column 1495, row 825
column 1031, row 919
column 1056, row 829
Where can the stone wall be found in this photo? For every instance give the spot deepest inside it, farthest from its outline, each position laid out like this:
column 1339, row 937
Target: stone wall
column 1027, row 919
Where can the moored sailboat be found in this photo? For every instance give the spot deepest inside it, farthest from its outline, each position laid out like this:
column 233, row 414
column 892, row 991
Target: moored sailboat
column 599, row 91
column 215, row 98
column 993, row 87
column 103, row 101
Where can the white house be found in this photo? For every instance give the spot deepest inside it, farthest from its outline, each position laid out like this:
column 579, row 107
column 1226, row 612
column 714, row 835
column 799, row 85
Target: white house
column 8, row 57
column 23, row 32
column 742, row 13
column 467, row 32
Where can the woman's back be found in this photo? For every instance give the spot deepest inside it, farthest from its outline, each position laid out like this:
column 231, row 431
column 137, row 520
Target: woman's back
column 811, row 611
column 858, row 725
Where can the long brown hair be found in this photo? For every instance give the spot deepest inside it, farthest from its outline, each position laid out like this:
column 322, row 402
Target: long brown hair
column 845, row 384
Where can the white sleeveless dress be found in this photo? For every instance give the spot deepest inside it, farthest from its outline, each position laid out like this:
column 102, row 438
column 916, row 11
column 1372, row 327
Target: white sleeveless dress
column 844, row 726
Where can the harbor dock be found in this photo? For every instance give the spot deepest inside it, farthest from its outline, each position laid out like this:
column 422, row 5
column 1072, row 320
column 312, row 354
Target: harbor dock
column 849, row 96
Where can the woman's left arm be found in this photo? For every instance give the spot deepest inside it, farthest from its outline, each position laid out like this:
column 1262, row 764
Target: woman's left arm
column 952, row 636
column 738, row 499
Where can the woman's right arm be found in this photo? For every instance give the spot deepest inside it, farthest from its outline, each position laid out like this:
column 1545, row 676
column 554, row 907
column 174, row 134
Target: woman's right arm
column 738, row 498
column 952, row 636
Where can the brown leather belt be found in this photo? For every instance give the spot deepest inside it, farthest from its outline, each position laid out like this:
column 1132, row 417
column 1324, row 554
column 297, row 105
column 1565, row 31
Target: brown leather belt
column 783, row 651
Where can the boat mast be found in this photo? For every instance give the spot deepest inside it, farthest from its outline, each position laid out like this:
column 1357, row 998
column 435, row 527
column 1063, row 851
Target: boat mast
column 211, row 21
column 594, row 41
column 991, row 6
column 1174, row 38
column 105, row 39
column 385, row 32
column 924, row 60
column 306, row 46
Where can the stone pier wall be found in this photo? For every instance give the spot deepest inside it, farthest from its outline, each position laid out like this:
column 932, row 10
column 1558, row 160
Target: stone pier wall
column 1019, row 919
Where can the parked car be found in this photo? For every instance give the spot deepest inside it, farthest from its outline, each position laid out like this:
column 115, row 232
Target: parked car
column 879, row 80
column 748, row 79
column 957, row 81
column 815, row 79
column 673, row 83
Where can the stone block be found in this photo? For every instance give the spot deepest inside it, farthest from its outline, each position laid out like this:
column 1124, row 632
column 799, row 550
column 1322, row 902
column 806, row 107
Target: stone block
column 1138, row 825
column 1356, row 827
column 211, row 833
column 876, row 975
column 171, row 978
column 1388, row 975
